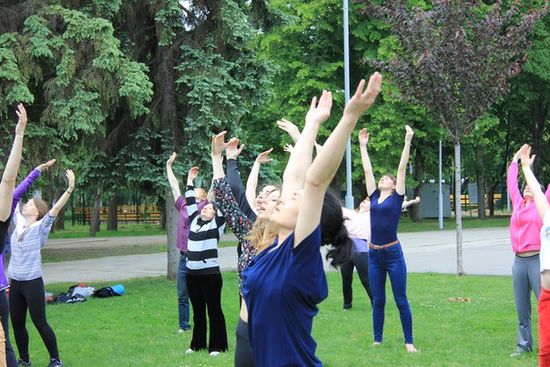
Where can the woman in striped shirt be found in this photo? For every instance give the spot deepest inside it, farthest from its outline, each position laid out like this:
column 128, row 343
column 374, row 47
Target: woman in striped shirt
column 204, row 280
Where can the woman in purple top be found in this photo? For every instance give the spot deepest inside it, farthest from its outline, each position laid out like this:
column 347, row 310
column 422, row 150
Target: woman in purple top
column 385, row 255
column 18, row 193
column 7, row 186
column 181, row 242
column 285, row 282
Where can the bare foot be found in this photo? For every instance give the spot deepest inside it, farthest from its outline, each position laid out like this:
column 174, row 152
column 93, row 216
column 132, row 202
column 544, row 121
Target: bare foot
column 376, row 344
column 410, row 348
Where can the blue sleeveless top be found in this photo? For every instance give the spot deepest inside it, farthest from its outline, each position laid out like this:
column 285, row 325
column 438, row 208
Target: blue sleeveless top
column 282, row 287
column 384, row 217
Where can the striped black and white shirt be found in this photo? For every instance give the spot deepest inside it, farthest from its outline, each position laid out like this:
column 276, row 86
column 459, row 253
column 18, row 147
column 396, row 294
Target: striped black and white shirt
column 202, row 247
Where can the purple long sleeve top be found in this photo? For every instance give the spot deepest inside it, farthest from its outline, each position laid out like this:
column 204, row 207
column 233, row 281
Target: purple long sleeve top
column 18, row 193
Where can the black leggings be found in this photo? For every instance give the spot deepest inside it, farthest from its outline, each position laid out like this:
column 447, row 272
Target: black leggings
column 11, row 361
column 359, row 260
column 30, row 295
column 205, row 291
column 243, row 351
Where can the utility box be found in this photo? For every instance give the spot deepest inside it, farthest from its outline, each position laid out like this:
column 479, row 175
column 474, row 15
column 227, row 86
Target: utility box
column 429, row 200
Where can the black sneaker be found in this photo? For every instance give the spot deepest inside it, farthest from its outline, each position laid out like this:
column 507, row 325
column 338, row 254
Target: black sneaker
column 23, row 363
column 55, row 363
column 347, row 306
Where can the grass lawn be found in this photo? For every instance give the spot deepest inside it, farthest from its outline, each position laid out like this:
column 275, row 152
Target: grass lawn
column 140, row 328
column 131, row 229
column 70, row 254
column 145, row 229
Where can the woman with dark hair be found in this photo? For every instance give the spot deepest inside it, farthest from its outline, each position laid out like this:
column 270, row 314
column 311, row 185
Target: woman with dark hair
column 285, row 282
column 525, row 225
column 7, row 186
column 204, row 280
column 358, row 226
column 385, row 253
column 543, row 209
column 32, row 228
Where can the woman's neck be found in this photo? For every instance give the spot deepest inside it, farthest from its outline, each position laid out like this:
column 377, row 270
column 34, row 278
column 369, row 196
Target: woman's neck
column 283, row 234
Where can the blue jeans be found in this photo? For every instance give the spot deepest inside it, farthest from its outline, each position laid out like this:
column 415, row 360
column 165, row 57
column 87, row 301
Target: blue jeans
column 389, row 261
column 183, row 295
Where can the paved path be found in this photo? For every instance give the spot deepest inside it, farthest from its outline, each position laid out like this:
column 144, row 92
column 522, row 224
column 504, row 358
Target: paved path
column 486, row 251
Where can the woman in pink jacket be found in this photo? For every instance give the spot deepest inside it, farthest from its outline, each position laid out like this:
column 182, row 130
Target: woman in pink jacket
column 525, row 225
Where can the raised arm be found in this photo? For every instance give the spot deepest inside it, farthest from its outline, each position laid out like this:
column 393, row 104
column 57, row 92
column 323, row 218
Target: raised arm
column 12, row 166
column 326, row 164
column 300, row 157
column 512, row 182
column 540, row 199
column 370, row 182
column 252, row 182
column 291, row 129
column 172, row 180
column 59, row 204
column 190, row 196
column 402, row 170
column 407, row 203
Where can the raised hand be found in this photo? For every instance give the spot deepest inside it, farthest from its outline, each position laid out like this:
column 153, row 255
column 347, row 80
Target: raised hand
column 218, row 143
column 525, row 156
column 516, row 156
column 171, row 160
column 290, row 128
column 44, row 166
column 362, row 100
column 263, row 157
column 70, row 177
column 363, row 137
column 320, row 112
column 22, row 121
column 409, row 133
column 232, row 151
column 288, row 148
column 193, row 173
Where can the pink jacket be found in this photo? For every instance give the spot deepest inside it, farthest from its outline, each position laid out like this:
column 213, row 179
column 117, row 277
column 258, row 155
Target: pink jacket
column 525, row 223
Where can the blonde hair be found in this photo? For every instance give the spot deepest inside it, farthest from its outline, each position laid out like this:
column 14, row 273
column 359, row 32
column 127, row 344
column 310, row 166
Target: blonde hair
column 262, row 234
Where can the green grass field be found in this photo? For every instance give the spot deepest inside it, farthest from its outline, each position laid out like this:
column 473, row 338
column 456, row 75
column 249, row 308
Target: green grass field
column 140, row 328
column 131, row 229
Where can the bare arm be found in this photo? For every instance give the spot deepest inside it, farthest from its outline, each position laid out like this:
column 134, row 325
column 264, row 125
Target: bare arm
column 408, row 203
column 252, row 182
column 174, row 184
column 370, row 182
column 54, row 211
column 326, row 164
column 300, row 157
column 540, row 199
column 12, row 166
column 402, row 170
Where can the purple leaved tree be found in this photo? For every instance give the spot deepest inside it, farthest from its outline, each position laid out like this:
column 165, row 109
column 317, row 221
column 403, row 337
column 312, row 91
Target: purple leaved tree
column 455, row 59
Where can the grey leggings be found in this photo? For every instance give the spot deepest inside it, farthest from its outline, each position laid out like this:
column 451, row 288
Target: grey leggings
column 526, row 279
column 243, row 351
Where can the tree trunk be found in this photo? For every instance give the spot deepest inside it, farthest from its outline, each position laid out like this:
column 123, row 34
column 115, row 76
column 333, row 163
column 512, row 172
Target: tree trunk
column 171, row 230
column 112, row 223
column 60, row 221
column 95, row 221
column 491, row 199
column 458, row 211
column 480, row 178
column 414, row 210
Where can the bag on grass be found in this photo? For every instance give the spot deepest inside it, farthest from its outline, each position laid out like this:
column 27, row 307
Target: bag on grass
column 115, row 290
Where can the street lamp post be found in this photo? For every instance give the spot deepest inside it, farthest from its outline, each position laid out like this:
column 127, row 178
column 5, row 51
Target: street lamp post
column 349, row 194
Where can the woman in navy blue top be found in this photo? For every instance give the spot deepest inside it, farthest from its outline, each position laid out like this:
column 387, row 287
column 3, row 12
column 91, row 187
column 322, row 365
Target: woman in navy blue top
column 285, row 282
column 386, row 256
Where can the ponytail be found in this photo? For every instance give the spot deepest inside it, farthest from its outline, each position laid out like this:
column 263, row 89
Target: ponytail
column 334, row 233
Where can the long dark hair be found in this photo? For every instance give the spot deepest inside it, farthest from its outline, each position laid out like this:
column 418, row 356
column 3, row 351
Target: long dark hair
column 333, row 231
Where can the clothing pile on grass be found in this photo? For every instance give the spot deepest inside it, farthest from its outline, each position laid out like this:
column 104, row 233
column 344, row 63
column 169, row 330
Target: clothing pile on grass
column 81, row 292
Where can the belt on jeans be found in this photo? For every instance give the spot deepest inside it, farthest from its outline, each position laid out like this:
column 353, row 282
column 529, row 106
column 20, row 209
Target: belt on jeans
column 381, row 247
column 183, row 253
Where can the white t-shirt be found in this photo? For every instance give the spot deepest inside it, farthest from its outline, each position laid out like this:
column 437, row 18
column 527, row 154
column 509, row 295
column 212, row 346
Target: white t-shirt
column 545, row 243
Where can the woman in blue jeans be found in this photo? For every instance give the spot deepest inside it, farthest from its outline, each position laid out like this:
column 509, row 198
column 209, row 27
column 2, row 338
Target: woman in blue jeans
column 386, row 256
